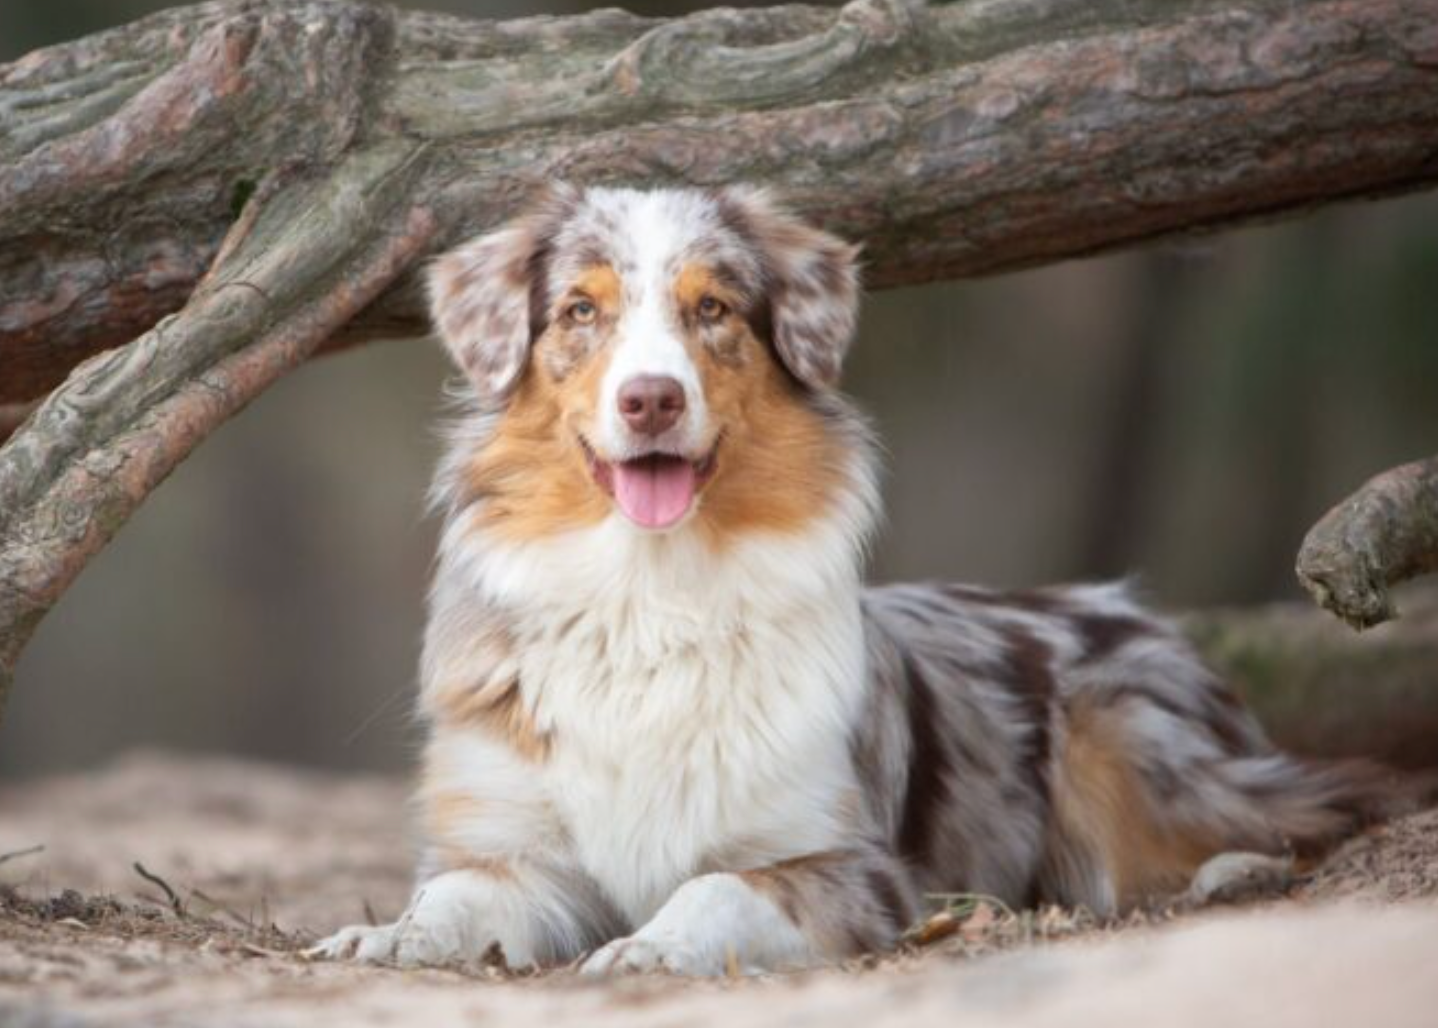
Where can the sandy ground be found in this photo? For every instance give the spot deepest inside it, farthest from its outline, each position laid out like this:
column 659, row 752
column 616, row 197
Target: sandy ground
column 261, row 859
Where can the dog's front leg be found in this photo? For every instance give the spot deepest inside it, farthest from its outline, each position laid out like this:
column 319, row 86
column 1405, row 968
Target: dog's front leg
column 795, row 914
column 536, row 914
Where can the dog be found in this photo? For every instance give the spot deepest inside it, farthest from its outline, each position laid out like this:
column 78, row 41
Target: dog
column 669, row 728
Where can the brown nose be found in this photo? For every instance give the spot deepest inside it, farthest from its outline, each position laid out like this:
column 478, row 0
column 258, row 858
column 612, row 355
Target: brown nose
column 651, row 404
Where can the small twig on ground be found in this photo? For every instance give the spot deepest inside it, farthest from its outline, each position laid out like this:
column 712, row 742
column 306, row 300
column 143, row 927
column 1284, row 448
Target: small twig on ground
column 369, row 914
column 5, row 858
column 971, row 913
column 154, row 879
column 229, row 911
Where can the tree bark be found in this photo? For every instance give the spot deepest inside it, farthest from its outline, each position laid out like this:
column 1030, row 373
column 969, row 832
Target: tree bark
column 235, row 184
column 1385, row 533
column 953, row 139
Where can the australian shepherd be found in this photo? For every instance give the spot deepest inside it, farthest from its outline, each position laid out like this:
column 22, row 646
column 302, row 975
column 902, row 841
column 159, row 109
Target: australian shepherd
column 668, row 725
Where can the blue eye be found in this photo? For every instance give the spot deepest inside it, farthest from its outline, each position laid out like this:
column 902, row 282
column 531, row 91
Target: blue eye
column 582, row 312
column 711, row 308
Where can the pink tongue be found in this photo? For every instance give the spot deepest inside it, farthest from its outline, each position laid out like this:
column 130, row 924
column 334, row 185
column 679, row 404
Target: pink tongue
column 654, row 492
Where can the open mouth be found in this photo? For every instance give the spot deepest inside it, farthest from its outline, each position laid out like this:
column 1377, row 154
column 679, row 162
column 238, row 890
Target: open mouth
column 655, row 490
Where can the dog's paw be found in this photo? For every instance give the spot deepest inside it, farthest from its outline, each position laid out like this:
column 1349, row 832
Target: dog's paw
column 369, row 944
column 406, row 943
column 429, row 934
column 639, row 955
column 455, row 918
column 713, row 925
column 1238, row 877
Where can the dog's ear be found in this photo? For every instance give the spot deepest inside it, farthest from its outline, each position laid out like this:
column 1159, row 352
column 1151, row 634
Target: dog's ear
column 811, row 281
column 487, row 298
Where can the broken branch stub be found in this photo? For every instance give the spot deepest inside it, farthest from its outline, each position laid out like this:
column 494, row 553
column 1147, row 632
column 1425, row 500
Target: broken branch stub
column 1384, row 534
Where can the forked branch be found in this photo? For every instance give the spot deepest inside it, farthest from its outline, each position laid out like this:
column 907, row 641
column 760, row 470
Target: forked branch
column 314, row 254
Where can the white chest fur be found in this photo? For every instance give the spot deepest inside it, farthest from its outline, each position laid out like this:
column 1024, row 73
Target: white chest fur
column 699, row 704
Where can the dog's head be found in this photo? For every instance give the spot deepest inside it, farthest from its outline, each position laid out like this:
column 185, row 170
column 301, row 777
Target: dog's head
column 667, row 354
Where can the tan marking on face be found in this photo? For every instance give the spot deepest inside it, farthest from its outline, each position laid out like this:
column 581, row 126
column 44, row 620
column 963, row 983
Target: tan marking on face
column 696, row 281
column 779, row 467
column 600, row 283
column 532, row 473
column 1100, row 802
column 692, row 285
column 498, row 711
column 570, row 341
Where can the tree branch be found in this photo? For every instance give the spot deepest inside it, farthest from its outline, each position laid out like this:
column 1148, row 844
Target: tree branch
column 954, row 139
column 98, row 445
column 1385, row 533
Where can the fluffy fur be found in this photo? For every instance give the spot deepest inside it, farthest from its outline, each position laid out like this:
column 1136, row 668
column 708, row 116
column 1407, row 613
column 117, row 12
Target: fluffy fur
column 709, row 745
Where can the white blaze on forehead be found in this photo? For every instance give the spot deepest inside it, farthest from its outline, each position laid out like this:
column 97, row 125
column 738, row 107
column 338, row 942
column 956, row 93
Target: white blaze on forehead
column 649, row 234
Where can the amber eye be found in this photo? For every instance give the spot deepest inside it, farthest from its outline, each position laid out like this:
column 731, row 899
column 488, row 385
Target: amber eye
column 582, row 312
column 711, row 308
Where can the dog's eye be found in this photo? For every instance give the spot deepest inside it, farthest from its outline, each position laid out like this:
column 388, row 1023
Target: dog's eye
column 712, row 308
column 582, row 312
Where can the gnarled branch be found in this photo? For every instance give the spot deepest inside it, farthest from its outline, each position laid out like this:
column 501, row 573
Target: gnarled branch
column 315, row 253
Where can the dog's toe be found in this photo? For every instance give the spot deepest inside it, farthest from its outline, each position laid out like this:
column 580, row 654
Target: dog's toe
column 638, row 955
column 365, row 943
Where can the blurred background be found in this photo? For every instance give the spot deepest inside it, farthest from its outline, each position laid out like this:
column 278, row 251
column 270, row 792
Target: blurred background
column 1183, row 412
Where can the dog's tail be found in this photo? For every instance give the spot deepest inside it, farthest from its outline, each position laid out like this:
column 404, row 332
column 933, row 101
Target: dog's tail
column 1306, row 807
column 1140, row 802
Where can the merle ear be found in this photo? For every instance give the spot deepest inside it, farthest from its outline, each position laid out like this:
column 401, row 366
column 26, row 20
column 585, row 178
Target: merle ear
column 811, row 279
column 481, row 296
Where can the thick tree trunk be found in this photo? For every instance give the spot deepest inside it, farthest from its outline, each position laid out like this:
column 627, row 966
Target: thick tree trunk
column 265, row 177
